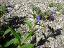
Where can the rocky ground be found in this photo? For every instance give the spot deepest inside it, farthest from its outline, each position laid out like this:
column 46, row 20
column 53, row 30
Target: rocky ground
column 24, row 8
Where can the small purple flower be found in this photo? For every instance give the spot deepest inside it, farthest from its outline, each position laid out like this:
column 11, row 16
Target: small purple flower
column 38, row 19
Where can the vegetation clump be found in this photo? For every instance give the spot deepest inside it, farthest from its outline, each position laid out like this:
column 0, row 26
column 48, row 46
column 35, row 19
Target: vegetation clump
column 11, row 38
column 3, row 9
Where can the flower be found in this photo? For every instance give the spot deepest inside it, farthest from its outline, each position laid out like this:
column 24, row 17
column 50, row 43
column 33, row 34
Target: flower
column 38, row 19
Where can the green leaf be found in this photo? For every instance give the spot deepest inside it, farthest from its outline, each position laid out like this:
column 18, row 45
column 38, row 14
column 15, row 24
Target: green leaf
column 6, row 32
column 30, row 34
column 16, row 35
column 16, row 41
column 29, row 23
column 34, row 15
column 27, row 46
column 2, row 9
column 12, row 41
column 28, row 37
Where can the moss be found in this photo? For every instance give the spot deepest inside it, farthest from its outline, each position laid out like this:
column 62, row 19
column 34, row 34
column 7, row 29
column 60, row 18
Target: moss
column 52, row 4
column 58, row 5
column 47, row 13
